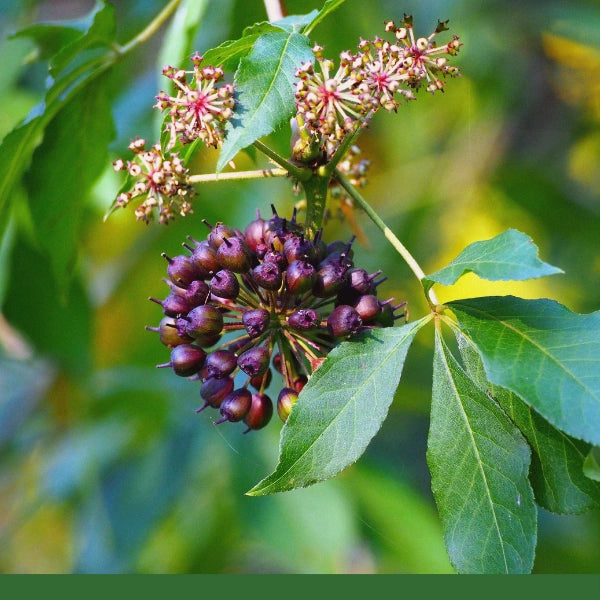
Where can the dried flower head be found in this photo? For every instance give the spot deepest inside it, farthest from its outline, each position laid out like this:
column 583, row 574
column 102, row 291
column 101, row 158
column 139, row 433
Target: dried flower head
column 162, row 183
column 200, row 107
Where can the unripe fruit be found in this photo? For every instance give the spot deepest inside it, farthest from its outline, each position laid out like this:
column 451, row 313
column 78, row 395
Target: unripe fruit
column 253, row 233
column 169, row 334
column 225, row 284
column 285, row 402
column 218, row 233
column 260, row 413
column 186, row 360
column 255, row 361
column 343, row 321
column 235, row 406
column 205, row 320
column 256, row 321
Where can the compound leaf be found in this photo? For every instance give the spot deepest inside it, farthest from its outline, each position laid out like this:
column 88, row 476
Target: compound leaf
column 340, row 409
column 479, row 463
column 544, row 353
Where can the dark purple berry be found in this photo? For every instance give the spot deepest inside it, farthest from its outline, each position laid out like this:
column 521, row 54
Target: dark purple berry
column 300, row 277
column 173, row 305
column 304, row 319
column 267, row 275
column 205, row 320
column 359, row 280
column 196, row 293
column 181, row 270
column 186, row 360
column 218, row 233
column 204, row 258
column 256, row 321
column 214, row 390
column 255, row 361
column 220, row 363
column 299, row 382
column 262, row 381
column 225, row 284
column 285, row 402
column 329, row 279
column 274, row 256
column 234, row 254
column 368, row 307
column 253, row 233
column 260, row 413
column 298, row 248
column 235, row 406
column 343, row 321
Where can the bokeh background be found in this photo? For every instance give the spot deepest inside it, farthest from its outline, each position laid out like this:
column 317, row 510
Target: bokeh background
column 105, row 467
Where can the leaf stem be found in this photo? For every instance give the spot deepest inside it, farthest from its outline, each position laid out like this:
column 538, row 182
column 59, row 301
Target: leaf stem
column 388, row 233
column 151, row 28
column 263, row 173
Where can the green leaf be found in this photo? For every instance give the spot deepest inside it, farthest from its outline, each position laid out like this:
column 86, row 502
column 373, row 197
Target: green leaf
column 328, row 7
column 72, row 155
column 340, row 409
column 479, row 463
column 228, row 54
column 544, row 353
column 264, row 89
column 591, row 465
column 509, row 256
column 556, row 475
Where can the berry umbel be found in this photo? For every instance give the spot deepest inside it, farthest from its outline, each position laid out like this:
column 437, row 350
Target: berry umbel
column 242, row 304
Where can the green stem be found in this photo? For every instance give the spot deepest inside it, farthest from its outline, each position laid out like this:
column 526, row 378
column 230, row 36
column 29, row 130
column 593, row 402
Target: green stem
column 346, row 143
column 150, row 29
column 387, row 232
column 263, row 173
column 316, row 200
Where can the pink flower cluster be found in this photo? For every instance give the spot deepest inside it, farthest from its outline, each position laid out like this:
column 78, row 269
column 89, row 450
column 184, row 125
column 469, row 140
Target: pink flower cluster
column 332, row 103
column 200, row 108
column 161, row 182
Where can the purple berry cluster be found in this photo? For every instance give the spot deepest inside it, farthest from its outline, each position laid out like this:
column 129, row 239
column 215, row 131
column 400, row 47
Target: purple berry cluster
column 246, row 302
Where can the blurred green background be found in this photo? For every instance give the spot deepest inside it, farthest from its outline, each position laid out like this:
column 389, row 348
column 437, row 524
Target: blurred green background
column 104, row 466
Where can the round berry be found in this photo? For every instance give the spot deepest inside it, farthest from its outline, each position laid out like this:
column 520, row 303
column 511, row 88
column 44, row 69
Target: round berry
column 260, row 413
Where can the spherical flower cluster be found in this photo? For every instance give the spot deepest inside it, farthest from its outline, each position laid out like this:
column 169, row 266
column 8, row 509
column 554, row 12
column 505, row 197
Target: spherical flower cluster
column 244, row 303
column 200, row 107
column 333, row 105
column 161, row 183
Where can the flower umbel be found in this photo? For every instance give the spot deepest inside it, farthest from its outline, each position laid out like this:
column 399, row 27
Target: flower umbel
column 200, row 107
column 162, row 183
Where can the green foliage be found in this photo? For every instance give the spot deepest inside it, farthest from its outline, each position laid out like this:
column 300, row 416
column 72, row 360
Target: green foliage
column 104, row 455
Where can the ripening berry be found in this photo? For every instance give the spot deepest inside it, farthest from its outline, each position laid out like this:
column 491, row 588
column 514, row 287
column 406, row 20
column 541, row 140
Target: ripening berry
column 256, row 321
column 300, row 276
column 304, row 319
column 173, row 305
column 343, row 321
column 168, row 333
column 181, row 270
column 268, row 275
column 214, row 390
column 285, row 402
column 225, row 284
column 220, row 363
column 234, row 254
column 205, row 320
column 260, row 413
column 255, row 361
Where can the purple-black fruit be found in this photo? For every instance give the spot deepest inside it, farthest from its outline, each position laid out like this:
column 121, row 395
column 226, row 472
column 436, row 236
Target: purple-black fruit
column 234, row 254
column 204, row 321
column 204, row 258
column 214, row 390
column 255, row 361
column 181, row 270
column 300, row 277
column 186, row 360
column 235, row 406
column 368, row 307
column 303, row 319
column 267, row 275
column 220, row 363
column 343, row 321
column 225, row 284
column 173, row 305
column 256, row 321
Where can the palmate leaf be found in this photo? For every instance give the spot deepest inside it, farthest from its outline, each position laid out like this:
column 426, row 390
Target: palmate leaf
column 264, row 90
column 556, row 473
column 544, row 353
column 509, row 256
column 479, row 463
column 340, row 409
